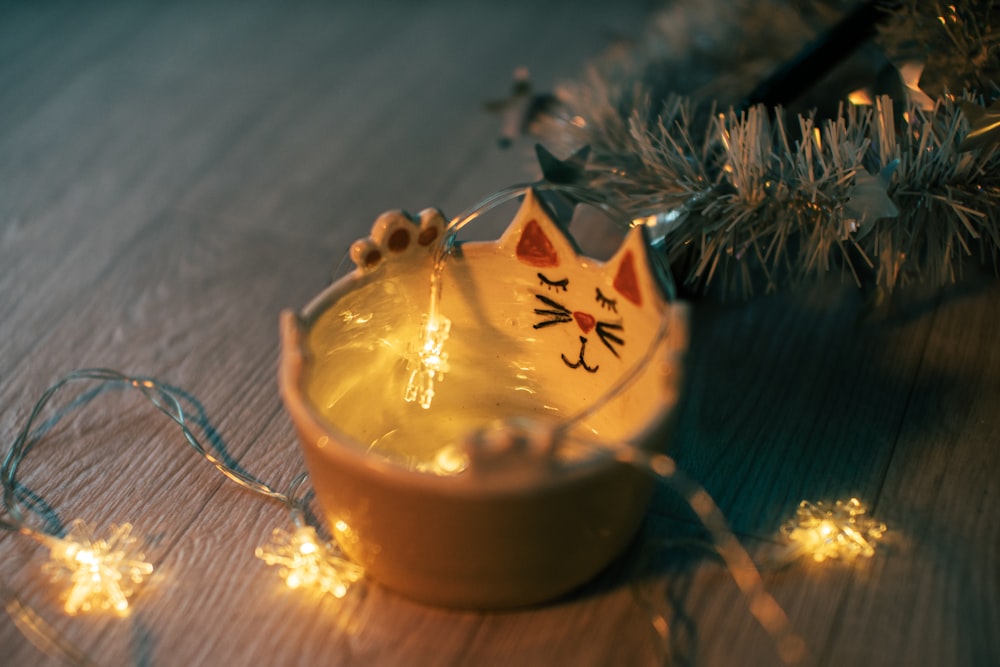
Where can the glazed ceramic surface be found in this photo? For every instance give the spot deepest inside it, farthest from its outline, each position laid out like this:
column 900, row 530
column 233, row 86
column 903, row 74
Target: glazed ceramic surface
column 483, row 496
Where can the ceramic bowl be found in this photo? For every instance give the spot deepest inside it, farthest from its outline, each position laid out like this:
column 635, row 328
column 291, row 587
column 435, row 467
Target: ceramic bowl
column 501, row 488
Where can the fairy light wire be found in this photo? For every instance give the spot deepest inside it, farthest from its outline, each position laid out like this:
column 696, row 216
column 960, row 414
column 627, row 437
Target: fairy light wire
column 18, row 500
column 746, row 575
column 768, row 613
column 764, row 608
column 618, row 218
column 164, row 398
column 576, row 192
column 761, row 604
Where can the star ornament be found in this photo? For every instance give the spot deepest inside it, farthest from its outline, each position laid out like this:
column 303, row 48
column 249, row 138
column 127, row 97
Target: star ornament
column 304, row 561
column 840, row 531
column 869, row 200
column 522, row 108
column 571, row 173
column 102, row 573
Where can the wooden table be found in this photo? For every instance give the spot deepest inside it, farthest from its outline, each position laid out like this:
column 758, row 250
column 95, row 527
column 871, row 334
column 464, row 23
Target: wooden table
column 172, row 175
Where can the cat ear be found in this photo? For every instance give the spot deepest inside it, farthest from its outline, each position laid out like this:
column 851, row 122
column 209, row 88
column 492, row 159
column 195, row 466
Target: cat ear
column 534, row 237
column 630, row 270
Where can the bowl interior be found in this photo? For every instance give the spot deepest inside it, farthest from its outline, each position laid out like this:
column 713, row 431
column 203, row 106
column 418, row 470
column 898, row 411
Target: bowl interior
column 537, row 332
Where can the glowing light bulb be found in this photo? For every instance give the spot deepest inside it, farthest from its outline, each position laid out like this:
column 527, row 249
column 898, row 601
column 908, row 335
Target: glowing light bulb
column 306, row 562
column 840, row 531
column 103, row 573
column 860, row 97
column 449, row 460
column 429, row 361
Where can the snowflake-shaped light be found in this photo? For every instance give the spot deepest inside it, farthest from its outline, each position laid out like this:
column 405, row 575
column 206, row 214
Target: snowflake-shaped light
column 429, row 361
column 839, row 531
column 103, row 573
column 307, row 562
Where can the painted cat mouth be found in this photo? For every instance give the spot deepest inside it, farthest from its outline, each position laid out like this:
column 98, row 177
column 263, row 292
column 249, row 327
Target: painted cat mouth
column 580, row 363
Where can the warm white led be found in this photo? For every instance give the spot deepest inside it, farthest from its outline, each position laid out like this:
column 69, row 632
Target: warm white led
column 840, row 531
column 103, row 573
column 429, row 361
column 305, row 561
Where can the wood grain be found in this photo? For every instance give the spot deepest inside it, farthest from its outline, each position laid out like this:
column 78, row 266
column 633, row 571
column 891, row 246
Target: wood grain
column 172, row 175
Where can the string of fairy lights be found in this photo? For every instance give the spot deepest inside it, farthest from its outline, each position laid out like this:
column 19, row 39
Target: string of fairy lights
column 679, row 174
column 99, row 574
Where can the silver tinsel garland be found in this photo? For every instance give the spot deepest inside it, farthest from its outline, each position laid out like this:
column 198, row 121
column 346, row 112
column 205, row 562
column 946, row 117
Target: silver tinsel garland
column 889, row 188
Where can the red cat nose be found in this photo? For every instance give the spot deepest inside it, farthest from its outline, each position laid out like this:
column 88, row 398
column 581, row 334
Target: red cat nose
column 584, row 321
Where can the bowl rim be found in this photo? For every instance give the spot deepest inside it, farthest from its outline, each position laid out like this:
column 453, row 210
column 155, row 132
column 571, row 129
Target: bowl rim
column 345, row 450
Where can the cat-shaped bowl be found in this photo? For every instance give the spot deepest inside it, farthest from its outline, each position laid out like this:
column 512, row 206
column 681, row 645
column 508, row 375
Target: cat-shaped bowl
column 446, row 467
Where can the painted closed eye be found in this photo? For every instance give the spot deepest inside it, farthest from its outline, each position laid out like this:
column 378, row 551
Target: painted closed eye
column 605, row 302
column 553, row 284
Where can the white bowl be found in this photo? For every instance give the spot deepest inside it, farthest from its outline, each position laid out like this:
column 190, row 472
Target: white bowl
column 488, row 498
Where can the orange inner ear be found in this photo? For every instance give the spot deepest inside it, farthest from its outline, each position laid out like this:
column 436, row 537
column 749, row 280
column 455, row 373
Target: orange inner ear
column 626, row 281
column 535, row 248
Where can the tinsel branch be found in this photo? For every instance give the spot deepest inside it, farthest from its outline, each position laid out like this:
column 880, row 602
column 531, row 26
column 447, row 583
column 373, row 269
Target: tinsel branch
column 884, row 192
column 749, row 193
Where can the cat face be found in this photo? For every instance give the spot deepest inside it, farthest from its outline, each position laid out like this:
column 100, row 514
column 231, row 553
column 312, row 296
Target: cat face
column 594, row 307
